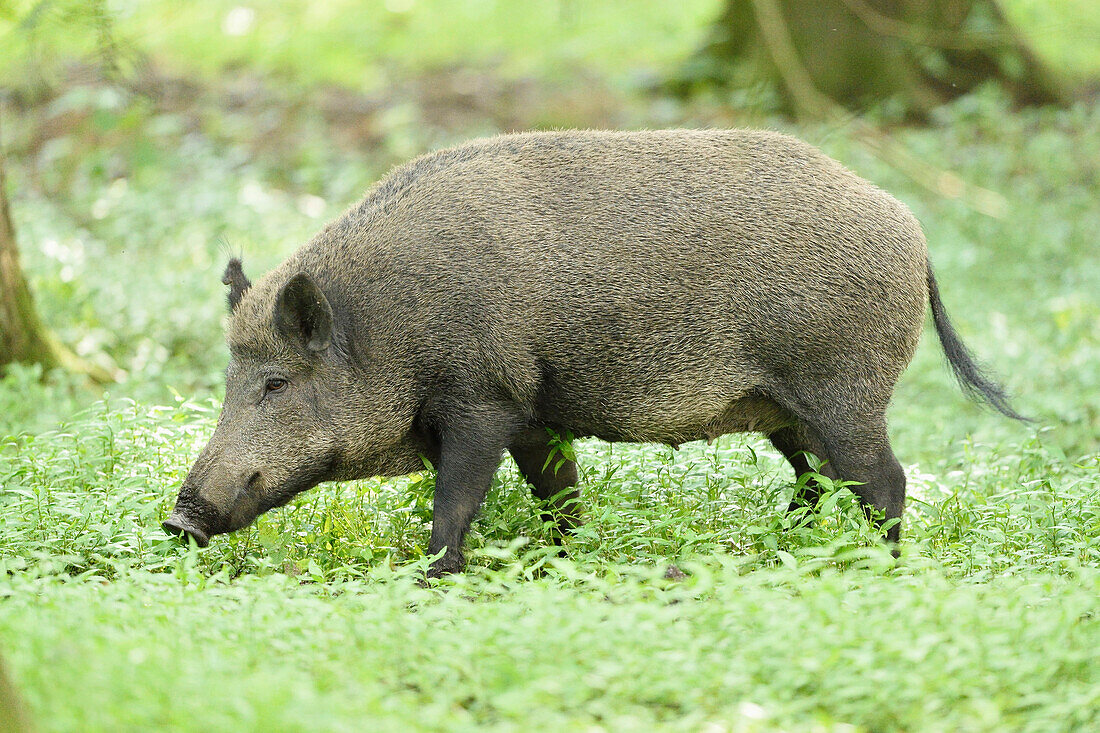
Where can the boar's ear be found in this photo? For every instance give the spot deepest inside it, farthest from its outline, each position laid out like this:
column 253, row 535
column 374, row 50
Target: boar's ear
column 302, row 313
column 235, row 278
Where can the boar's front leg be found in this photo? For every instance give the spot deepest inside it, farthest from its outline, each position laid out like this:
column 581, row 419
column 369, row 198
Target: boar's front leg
column 471, row 441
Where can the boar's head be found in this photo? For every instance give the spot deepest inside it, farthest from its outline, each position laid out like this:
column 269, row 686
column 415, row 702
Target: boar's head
column 298, row 410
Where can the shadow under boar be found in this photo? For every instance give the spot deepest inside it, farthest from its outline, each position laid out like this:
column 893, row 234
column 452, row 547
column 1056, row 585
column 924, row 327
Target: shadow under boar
column 663, row 286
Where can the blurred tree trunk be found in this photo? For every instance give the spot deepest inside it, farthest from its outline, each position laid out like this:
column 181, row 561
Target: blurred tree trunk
column 13, row 716
column 855, row 53
column 23, row 338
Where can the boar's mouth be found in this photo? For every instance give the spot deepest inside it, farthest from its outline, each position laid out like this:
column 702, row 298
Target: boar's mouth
column 179, row 526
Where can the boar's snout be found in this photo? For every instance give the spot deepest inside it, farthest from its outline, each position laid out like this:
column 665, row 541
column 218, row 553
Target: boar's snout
column 178, row 525
column 194, row 517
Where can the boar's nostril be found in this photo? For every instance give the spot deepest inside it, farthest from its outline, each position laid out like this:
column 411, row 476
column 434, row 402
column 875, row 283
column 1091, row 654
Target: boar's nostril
column 176, row 525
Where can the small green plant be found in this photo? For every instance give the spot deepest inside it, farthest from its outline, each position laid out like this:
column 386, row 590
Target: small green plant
column 561, row 449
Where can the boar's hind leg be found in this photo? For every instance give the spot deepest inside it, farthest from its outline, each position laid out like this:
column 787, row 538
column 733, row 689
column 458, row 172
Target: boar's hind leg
column 556, row 484
column 857, row 448
column 794, row 442
column 470, row 447
column 861, row 452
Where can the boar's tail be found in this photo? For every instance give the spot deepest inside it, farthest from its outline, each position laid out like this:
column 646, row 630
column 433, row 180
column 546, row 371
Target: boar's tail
column 977, row 385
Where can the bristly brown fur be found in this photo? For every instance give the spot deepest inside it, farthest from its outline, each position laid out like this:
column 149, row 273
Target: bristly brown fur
column 661, row 286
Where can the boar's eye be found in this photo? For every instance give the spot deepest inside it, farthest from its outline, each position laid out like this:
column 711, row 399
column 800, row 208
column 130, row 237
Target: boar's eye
column 274, row 384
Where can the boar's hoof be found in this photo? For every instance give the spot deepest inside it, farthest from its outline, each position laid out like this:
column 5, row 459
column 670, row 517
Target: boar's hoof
column 445, row 566
column 176, row 525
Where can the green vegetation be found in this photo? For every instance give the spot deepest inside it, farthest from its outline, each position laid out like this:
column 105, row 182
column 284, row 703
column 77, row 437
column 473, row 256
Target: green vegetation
column 365, row 44
column 127, row 200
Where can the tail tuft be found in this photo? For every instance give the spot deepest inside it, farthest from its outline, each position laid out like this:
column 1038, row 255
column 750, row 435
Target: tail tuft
column 977, row 385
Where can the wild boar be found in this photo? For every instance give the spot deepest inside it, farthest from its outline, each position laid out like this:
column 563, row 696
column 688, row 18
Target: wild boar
column 663, row 286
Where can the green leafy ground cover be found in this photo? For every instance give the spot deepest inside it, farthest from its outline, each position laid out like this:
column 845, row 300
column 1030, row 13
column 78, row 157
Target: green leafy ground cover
column 311, row 619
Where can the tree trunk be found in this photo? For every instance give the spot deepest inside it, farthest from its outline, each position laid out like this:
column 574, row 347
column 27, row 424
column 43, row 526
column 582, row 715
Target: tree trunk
column 857, row 53
column 23, row 338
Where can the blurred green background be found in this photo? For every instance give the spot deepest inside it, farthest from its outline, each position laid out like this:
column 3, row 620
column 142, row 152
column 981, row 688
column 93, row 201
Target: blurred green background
column 146, row 142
